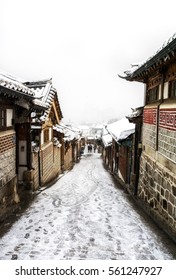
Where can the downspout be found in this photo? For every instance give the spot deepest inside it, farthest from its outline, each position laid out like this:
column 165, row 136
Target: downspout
column 158, row 111
column 138, row 151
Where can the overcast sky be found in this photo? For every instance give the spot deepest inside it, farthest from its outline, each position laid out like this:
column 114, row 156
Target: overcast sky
column 83, row 45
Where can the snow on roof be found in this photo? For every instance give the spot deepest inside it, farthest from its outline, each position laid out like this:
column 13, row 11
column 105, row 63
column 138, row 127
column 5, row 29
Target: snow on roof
column 107, row 140
column 121, row 129
column 134, row 67
column 159, row 53
column 83, row 127
column 137, row 112
column 97, row 126
column 40, row 103
column 9, row 82
column 14, row 78
column 44, row 94
column 69, row 132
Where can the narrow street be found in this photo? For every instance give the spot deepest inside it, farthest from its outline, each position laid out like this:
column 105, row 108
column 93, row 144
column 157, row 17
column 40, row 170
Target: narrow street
column 85, row 215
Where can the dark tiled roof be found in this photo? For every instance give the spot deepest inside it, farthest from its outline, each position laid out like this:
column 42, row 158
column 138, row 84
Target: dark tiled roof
column 14, row 87
column 45, row 94
column 160, row 58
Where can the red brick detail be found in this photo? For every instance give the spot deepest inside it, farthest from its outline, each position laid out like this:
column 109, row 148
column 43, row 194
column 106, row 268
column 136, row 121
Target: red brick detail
column 167, row 118
column 150, row 116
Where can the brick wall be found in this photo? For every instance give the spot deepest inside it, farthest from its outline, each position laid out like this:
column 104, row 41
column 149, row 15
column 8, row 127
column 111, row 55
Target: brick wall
column 7, row 158
column 7, row 141
column 157, row 187
column 8, row 179
column 167, row 132
column 149, row 135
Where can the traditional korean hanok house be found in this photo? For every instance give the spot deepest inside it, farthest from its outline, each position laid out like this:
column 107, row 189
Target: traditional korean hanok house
column 46, row 154
column 121, row 153
column 157, row 179
column 71, row 145
column 16, row 103
column 90, row 140
column 106, row 148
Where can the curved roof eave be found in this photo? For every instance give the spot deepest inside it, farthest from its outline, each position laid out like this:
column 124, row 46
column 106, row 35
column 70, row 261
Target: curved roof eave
column 160, row 58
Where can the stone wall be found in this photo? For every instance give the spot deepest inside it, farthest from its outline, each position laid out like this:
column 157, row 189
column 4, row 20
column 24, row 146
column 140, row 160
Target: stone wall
column 157, row 187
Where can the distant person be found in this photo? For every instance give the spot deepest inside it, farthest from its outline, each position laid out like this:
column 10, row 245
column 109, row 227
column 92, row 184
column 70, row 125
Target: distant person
column 95, row 147
column 90, row 148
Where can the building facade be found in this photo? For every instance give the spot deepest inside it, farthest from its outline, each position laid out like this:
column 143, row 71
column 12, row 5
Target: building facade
column 117, row 149
column 157, row 175
column 121, row 152
column 46, row 152
column 16, row 103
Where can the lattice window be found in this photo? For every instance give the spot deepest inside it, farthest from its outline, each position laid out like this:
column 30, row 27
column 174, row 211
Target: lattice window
column 153, row 94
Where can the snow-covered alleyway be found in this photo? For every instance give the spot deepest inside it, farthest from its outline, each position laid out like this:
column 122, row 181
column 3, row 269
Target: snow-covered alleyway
column 85, row 215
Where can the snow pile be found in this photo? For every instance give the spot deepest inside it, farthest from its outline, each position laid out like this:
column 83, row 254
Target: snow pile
column 121, row 129
column 85, row 216
column 107, row 140
column 11, row 83
column 70, row 133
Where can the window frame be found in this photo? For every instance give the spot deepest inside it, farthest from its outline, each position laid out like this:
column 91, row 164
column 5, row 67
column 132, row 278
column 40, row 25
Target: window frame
column 3, row 117
column 172, row 89
column 152, row 94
